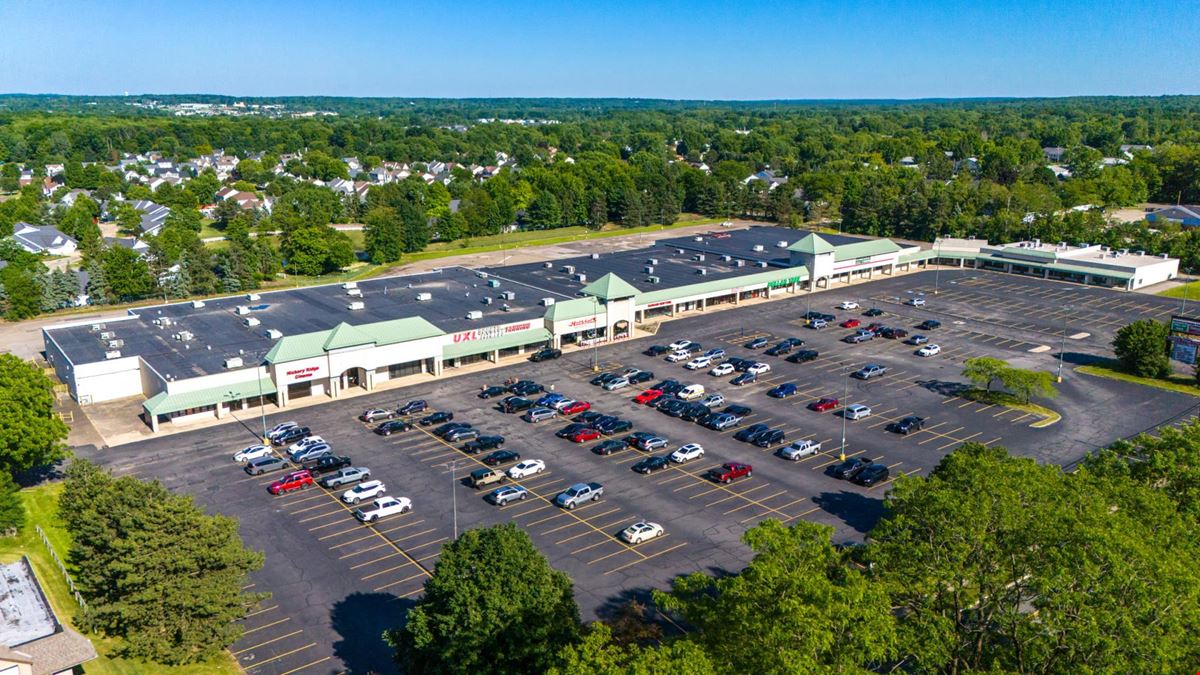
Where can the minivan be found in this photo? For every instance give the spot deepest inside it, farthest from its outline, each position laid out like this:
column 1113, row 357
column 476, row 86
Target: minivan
column 691, row 392
column 538, row 415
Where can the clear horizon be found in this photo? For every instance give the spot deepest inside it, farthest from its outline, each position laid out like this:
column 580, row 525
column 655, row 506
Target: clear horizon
column 698, row 51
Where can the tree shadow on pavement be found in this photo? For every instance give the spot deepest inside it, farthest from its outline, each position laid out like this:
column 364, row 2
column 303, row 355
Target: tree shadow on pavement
column 945, row 388
column 361, row 619
column 856, row 510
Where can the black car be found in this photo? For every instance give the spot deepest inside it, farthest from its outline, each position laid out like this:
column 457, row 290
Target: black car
column 571, row 429
column 657, row 350
column 484, row 443
column 779, row 349
column 661, row 385
column 703, row 420
column 609, row 446
column 545, row 354
column 794, row 341
column 640, row 377
column 392, row 426
column 693, row 348
column 747, row 434
column 441, row 431
column 292, row 435
column 692, row 411
column 500, row 457
column 412, row 407
column 489, row 392
column 527, row 389
column 588, row 417
column 651, row 464
column 436, row 418
column 518, row 384
column 744, row 378
column 907, row 425
column 635, row 437
column 849, row 468
column 461, row 434
column 739, row 410
column 757, row 343
column 614, row 427
column 514, row 404
column 769, row 437
column 873, row 474
column 324, row 464
column 803, row 356
column 930, row 324
column 740, row 365
column 671, row 388
column 604, row 378
column 604, row 419
column 672, row 407
column 874, row 311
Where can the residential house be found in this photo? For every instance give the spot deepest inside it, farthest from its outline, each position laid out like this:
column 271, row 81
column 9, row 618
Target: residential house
column 1128, row 150
column 1187, row 215
column 43, row 240
column 55, row 170
column 766, row 176
column 154, row 216
column 1054, row 155
column 909, row 162
column 137, row 245
column 247, row 200
column 1060, row 172
column 68, row 200
column 32, row 639
column 26, row 178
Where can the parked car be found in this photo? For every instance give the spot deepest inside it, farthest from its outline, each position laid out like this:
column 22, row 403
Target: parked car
column 721, row 369
column 312, row 452
column 492, row 392
column 677, row 356
column 872, row 475
column 729, row 472
column 823, row 405
column 290, row 482
column 650, row 444
column 648, row 396
column 538, row 415
column 930, row 324
column 514, row 404
column 445, row 429
column 578, row 494
column 759, row 369
column 850, row 323
column 868, row 371
column 848, row 304
column 640, row 377
column 436, row 418
column 929, row 350
column 818, row 323
column 744, row 378
column 484, row 443
column 528, row 467
column 546, row 354
column 412, row 407
column 713, row 401
column 757, row 343
column 784, row 390
column 393, row 426
column 575, row 407
column 527, row 388
column 722, row 421
column 364, row 490
column 770, row 437
column 345, row 476
column 849, row 467
column 462, row 434
column 916, row 302
column 680, row 344
column 481, row 478
column 895, row 333
column 382, row 508
column 698, row 363
column 584, row 435
column 803, row 356
column 856, row 411
column 615, row 426
column 686, row 453
column 549, row 400
column 907, row 425
column 268, row 464
column 859, row 337
column 253, row 452
column 694, row 411
column 874, row 311
column 641, row 531
column 509, row 493
column 651, row 464
column 739, row 410
column 303, row 444
column 616, row 383
column 779, row 349
column 916, row 340
column 501, row 457
column 609, row 446
column 376, row 414
column 279, row 429
column 716, row 354
column 657, row 350
column 323, row 464
column 588, row 418
column 691, row 392
column 799, row 450
column 746, row 435
column 291, row 435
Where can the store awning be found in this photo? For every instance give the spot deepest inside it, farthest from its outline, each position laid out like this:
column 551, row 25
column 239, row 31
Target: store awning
column 508, row 341
column 165, row 404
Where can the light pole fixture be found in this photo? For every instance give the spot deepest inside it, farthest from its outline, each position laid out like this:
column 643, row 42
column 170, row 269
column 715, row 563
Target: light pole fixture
column 937, row 266
column 453, row 464
column 596, row 335
column 845, row 417
column 1062, row 350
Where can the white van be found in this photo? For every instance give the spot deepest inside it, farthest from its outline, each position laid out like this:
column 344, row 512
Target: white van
column 691, row 392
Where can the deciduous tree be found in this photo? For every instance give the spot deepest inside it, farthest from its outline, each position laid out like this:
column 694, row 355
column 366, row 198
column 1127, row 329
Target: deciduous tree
column 1142, row 347
column 31, row 435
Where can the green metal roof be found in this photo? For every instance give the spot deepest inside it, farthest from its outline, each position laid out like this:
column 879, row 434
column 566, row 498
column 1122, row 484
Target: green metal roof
column 864, row 249
column 775, row 275
column 916, row 256
column 610, row 287
column 491, row 344
column 164, row 403
column 308, row 345
column 812, row 244
column 572, row 309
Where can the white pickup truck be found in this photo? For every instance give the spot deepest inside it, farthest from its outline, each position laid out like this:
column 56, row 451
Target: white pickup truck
column 799, row 450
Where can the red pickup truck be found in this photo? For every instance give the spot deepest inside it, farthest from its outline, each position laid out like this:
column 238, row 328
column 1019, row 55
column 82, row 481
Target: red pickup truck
column 728, row 472
column 296, row 480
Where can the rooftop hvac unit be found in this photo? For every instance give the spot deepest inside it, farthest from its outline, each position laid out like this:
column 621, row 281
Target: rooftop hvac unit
column 250, row 322
column 595, row 256
column 702, row 271
column 116, row 344
column 727, row 258
column 357, row 304
column 759, row 248
column 114, row 354
column 233, row 362
column 505, row 308
column 699, row 257
column 197, row 304
column 648, row 269
column 163, row 321
column 547, row 265
column 274, row 334
column 424, row 297
column 678, row 251
column 350, row 284
column 474, row 315
column 508, row 295
column 697, row 238
column 493, row 283
column 107, row 335
column 653, row 261
column 569, row 269
column 184, row 336
column 354, row 292
column 481, row 275
column 486, row 301
column 740, row 263
column 581, row 277
column 97, row 327
column 254, row 296
column 242, row 310
column 762, row 263
column 781, row 244
column 653, row 280
column 546, row 302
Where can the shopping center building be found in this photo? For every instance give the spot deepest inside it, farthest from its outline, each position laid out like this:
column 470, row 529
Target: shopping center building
column 201, row 359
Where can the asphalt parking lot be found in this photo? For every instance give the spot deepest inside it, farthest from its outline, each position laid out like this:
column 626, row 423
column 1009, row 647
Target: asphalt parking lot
column 337, row 584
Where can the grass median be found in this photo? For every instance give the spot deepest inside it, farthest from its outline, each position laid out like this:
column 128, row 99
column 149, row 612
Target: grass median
column 1112, row 370
column 1002, row 398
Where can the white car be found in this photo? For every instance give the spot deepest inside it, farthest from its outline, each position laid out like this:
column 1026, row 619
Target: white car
column 929, row 350
column 856, row 411
column 253, row 452
column 630, row 372
column 364, row 490
column 686, row 453
column 300, row 445
column 916, row 302
column 698, row 363
column 713, row 400
column 848, row 304
column 677, row 356
column 722, row 369
column 381, row 508
column 528, row 467
column 619, row 383
column 641, row 531
column 759, row 368
column 680, row 345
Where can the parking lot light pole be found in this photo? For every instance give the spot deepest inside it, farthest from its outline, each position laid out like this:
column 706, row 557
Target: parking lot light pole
column 937, row 266
column 845, row 403
column 595, row 335
column 453, row 492
column 1062, row 350
column 262, row 412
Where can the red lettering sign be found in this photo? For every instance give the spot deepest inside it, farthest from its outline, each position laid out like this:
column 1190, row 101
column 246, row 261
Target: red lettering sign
column 303, row 373
column 490, row 332
column 583, row 322
column 661, row 303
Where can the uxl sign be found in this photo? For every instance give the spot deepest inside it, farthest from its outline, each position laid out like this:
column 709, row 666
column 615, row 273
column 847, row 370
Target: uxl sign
column 490, row 332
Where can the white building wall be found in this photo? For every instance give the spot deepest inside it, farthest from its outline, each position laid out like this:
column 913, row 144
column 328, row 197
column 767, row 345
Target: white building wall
column 108, row 380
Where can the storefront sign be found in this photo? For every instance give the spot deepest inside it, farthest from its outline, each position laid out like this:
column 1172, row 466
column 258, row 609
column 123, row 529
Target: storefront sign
column 862, row 261
column 785, row 282
column 660, row 303
column 303, row 373
column 490, row 332
column 582, row 322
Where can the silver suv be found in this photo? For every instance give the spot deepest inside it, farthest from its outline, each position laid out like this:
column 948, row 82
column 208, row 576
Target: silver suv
column 350, row 474
column 539, row 414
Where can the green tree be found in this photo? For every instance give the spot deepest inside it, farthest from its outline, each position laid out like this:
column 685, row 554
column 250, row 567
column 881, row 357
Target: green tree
column 544, row 212
column 984, row 370
column 799, row 607
column 316, row 250
column 154, row 568
column 513, row 618
column 129, row 219
column 416, row 228
column 23, row 288
column 12, row 509
column 598, row 654
column 384, row 237
column 127, row 276
column 1142, row 346
column 31, row 435
column 1027, row 384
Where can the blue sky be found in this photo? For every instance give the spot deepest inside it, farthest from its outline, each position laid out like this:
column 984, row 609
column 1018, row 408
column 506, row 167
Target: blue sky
column 690, row 50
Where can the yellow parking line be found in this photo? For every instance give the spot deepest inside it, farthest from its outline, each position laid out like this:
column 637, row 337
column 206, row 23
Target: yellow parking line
column 356, row 526
column 586, row 521
column 323, row 515
column 652, row 555
column 265, row 609
column 283, row 655
column 589, row 547
column 263, row 644
column 268, row 625
column 307, row 665
column 740, row 494
column 739, row 508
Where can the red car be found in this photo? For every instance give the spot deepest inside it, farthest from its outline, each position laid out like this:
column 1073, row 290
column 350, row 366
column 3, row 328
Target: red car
column 728, row 472
column 576, row 408
column 850, row 323
column 296, row 480
column 875, row 327
column 824, row 405
column 584, row 435
column 648, row 396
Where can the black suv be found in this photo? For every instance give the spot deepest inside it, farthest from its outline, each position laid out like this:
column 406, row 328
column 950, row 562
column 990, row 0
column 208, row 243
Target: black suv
column 291, row 436
column 640, row 377
column 907, row 425
column 779, row 349
column 769, row 437
column 441, row 431
column 610, row 427
column 849, row 468
column 693, row 411
column 746, row 435
column 489, row 392
column 546, row 354
column 930, row 324
column 526, row 388
column 651, row 464
column 873, row 474
column 324, row 464
column 484, row 443
column 657, row 350
column 739, row 410
column 393, row 426
column 436, row 418
column 412, row 408
column 803, row 355
column 514, row 404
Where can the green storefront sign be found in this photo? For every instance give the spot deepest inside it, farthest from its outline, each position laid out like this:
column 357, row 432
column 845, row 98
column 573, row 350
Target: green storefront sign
column 862, row 261
column 785, row 282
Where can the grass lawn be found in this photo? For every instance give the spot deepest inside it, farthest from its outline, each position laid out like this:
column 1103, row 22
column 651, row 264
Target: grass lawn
column 1112, row 370
column 1189, row 290
column 1007, row 400
column 207, row 229
column 41, row 504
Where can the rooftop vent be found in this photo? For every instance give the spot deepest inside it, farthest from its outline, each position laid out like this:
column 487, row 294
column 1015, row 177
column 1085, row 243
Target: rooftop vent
column 197, row 304
column 493, row 283
column 702, row 271
column 699, row 257
column 242, row 310
column 726, row 258
column 97, row 327
column 678, row 251
column 113, row 354
column 350, row 284
column 697, row 238
column 595, row 256
column 184, row 336
column 233, row 362
column 474, row 315
column 274, row 334
column 759, row 248
column 569, row 269
column 253, row 296
column 250, row 322
column 653, row 261
column 781, row 244
column 357, row 304
column 739, row 263
column 508, row 295
column 648, row 269
column 581, row 277
column 762, row 263
column 547, row 265
column 354, row 292
column 505, row 308
column 486, row 301
column 163, row 321
column 107, row 335
column 546, row 302
column 424, row 297
column 652, row 280
column 481, row 275
column 116, row 344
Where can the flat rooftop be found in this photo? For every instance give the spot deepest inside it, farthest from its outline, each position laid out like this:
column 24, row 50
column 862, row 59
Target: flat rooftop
column 1094, row 253
column 25, row 615
column 220, row 334
column 742, row 243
